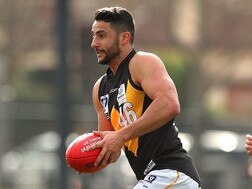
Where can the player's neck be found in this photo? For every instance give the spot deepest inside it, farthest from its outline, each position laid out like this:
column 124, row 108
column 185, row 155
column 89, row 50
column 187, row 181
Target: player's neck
column 116, row 63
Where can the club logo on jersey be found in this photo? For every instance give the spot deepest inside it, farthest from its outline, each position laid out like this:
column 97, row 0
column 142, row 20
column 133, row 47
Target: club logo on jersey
column 121, row 96
column 150, row 178
column 104, row 102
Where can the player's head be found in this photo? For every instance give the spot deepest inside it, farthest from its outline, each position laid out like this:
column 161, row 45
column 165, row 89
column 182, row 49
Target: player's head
column 113, row 31
column 119, row 18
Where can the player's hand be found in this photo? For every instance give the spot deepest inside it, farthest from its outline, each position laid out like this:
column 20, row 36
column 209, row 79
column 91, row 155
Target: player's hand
column 111, row 145
column 248, row 144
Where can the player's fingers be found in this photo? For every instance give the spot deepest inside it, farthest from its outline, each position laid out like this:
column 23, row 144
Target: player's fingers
column 99, row 133
column 114, row 156
column 108, row 158
column 100, row 157
column 94, row 146
column 105, row 160
column 112, row 159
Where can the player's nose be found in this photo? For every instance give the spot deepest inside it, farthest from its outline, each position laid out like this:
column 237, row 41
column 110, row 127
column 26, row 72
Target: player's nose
column 94, row 43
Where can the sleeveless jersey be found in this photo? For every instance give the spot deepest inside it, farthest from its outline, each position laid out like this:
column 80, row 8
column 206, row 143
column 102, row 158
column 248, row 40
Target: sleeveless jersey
column 124, row 102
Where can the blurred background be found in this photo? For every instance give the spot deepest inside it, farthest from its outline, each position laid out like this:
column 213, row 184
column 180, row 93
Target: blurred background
column 47, row 71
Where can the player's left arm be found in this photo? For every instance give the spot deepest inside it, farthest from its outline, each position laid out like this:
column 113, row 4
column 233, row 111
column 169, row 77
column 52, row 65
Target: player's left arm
column 149, row 72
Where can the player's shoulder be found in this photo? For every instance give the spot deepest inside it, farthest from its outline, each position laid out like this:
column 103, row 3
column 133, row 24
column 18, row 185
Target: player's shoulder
column 146, row 55
column 146, row 58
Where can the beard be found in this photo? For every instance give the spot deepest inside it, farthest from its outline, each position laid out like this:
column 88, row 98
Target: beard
column 111, row 53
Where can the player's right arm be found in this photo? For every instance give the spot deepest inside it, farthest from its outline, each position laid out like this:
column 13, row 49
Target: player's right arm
column 104, row 128
column 103, row 123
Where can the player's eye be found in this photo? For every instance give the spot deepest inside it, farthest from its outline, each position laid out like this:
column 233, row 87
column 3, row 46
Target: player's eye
column 101, row 35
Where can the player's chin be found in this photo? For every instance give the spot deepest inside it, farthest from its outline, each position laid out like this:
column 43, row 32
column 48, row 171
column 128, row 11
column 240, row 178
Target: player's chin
column 102, row 61
column 100, row 57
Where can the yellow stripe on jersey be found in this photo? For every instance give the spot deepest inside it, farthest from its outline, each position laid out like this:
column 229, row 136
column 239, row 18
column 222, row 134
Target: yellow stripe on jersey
column 136, row 99
column 114, row 118
column 174, row 182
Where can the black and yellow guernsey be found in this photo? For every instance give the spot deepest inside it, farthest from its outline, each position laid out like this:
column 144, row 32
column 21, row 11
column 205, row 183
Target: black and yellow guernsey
column 124, row 102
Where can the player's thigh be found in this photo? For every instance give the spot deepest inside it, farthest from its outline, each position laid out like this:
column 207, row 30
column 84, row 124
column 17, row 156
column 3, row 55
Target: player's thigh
column 167, row 179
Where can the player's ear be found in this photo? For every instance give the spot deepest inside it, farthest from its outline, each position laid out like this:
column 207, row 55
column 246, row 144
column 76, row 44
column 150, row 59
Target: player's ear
column 125, row 37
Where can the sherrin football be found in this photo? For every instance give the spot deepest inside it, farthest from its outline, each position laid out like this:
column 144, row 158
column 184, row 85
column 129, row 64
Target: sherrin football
column 78, row 158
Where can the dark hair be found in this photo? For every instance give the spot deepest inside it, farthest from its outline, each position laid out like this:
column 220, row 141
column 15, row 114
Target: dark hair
column 119, row 18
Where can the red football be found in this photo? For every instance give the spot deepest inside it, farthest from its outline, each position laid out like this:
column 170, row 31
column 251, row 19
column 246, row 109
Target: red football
column 79, row 159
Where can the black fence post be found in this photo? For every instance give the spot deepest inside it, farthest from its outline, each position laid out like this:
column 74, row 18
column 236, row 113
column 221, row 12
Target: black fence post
column 62, row 90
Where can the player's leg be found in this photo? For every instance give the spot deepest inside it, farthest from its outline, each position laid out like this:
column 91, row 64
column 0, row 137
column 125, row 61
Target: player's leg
column 167, row 179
